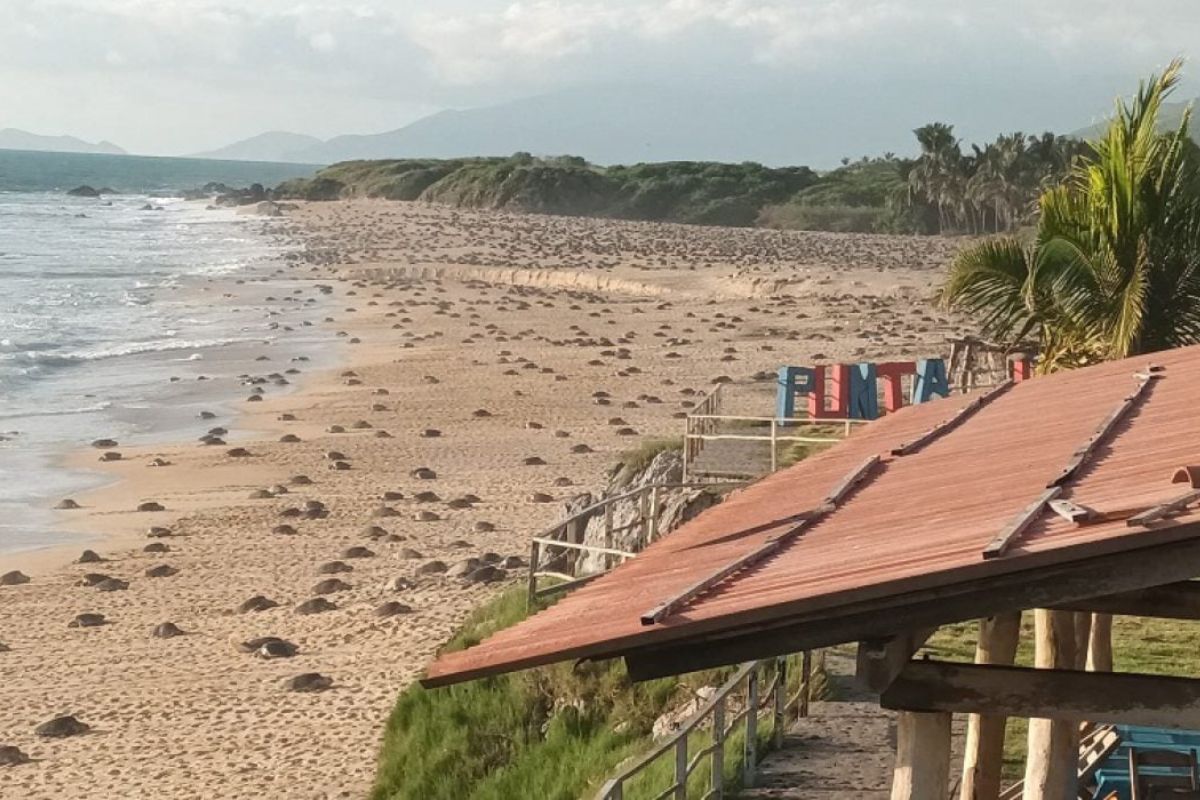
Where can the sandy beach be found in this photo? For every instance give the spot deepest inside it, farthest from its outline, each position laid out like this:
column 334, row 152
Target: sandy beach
column 473, row 341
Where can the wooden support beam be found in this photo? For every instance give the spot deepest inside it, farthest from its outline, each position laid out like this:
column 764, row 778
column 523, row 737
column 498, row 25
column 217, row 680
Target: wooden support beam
column 1069, row 695
column 1163, row 510
column 922, row 756
column 947, row 425
column 1009, row 535
column 975, row 598
column 983, row 753
column 1106, row 427
column 1053, row 743
column 1173, row 601
column 768, row 548
column 848, row 484
column 880, row 660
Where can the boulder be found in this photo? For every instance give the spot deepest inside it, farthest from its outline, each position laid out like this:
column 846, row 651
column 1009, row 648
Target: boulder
column 84, row 191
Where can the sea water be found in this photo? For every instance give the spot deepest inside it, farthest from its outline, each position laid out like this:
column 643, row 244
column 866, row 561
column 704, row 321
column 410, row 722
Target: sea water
column 123, row 318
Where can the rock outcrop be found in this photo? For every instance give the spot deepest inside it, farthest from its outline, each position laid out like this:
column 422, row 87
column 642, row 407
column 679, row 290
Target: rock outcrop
column 675, row 507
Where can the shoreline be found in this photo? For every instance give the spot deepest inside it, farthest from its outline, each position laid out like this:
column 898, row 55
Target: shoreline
column 432, row 353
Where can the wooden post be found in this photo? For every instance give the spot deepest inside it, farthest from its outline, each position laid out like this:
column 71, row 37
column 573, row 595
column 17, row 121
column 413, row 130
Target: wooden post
column 922, row 756
column 718, row 752
column 984, row 751
column 805, row 682
column 681, row 765
column 654, row 511
column 1100, row 654
column 1083, row 636
column 534, row 555
column 644, row 513
column 781, row 696
column 750, row 749
column 608, row 534
column 1050, row 767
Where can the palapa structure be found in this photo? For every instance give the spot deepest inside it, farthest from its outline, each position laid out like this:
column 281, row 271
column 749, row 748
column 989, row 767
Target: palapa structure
column 1071, row 494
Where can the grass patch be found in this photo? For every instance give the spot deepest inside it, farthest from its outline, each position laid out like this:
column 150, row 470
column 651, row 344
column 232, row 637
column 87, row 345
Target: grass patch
column 555, row 732
column 552, row 732
column 634, row 461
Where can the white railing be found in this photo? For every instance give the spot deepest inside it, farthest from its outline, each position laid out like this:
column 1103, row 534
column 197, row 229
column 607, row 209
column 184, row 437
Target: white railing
column 698, row 429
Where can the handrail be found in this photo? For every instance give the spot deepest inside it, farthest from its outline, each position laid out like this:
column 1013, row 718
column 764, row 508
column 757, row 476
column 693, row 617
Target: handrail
column 776, row 704
column 601, row 503
column 646, row 518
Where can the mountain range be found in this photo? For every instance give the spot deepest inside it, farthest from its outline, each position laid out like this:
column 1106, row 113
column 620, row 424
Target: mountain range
column 607, row 125
column 13, row 139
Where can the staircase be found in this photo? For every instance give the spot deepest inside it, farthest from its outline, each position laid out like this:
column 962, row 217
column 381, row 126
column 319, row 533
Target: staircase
column 844, row 750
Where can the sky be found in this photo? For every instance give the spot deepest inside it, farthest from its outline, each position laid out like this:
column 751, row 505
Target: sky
column 171, row 77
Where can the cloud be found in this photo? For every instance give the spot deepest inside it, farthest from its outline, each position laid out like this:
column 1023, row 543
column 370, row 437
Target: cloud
column 380, row 62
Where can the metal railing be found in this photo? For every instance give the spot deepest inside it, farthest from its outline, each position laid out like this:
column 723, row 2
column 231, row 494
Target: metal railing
column 701, row 428
column 759, row 701
column 568, row 535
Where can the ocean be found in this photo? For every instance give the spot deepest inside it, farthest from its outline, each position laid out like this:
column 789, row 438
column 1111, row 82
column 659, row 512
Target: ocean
column 122, row 317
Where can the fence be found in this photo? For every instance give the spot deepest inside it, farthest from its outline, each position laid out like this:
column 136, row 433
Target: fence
column 568, row 536
column 702, row 428
column 759, row 701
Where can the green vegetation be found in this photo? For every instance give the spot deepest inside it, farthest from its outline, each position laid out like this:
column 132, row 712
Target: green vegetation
column 553, row 732
column 1114, row 267
column 941, row 191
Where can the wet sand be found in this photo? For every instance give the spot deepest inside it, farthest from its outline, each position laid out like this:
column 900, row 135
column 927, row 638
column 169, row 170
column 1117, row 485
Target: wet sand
column 495, row 330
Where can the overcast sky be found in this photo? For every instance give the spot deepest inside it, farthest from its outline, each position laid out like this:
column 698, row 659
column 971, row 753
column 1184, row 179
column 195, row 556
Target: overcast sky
column 176, row 76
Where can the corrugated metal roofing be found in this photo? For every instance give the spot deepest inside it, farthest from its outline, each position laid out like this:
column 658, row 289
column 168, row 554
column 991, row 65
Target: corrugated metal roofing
column 921, row 520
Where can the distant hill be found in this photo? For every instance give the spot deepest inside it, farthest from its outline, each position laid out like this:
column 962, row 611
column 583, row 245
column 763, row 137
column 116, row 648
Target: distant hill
column 13, row 139
column 619, row 125
column 277, row 146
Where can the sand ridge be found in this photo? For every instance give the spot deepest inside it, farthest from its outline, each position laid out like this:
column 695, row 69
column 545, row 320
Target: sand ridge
column 478, row 360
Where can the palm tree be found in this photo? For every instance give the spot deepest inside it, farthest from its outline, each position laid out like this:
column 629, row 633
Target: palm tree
column 1114, row 269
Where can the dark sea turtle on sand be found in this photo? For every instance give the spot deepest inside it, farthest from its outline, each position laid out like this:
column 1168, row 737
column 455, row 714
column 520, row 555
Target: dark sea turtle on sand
column 331, row 585
column 89, row 557
column 12, row 756
column 87, row 621
column 60, row 727
column 309, row 682
column 166, row 630
column 392, row 608
column 316, row 605
column 112, row 585
column 14, row 578
column 256, row 603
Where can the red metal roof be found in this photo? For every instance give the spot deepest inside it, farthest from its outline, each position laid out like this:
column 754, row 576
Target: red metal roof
column 920, row 522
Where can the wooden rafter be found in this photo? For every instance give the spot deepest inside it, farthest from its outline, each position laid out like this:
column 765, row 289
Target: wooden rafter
column 1119, row 698
column 879, row 661
column 1011, row 533
column 947, row 425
